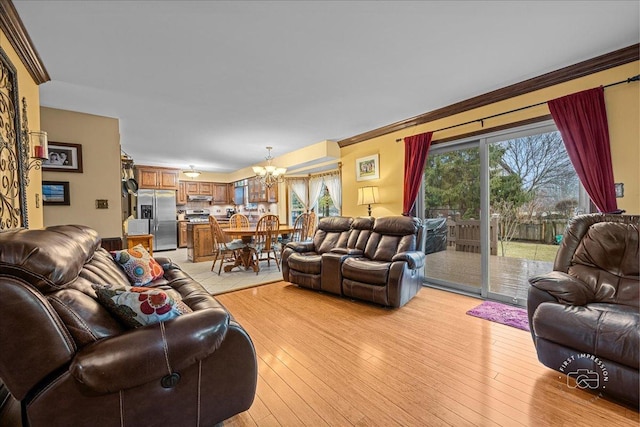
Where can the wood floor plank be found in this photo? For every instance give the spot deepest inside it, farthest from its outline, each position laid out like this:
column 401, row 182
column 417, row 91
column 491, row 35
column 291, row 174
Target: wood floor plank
column 325, row 360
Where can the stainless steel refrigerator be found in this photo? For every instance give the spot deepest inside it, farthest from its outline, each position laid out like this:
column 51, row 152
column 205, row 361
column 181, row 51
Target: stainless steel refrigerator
column 159, row 207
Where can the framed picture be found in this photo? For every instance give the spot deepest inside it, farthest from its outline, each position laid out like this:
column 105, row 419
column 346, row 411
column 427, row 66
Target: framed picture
column 55, row 193
column 367, row 168
column 63, row 157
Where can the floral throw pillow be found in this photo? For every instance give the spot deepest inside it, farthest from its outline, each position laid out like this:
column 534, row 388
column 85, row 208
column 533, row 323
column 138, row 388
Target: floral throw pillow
column 138, row 306
column 140, row 267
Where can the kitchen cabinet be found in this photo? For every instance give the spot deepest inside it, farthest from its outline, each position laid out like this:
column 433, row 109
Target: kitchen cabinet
column 182, row 234
column 259, row 192
column 220, row 194
column 199, row 242
column 181, row 198
column 157, row 178
column 272, row 194
column 218, row 191
column 198, row 188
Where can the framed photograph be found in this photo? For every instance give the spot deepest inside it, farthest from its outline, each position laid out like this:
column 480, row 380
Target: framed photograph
column 367, row 168
column 63, row 157
column 55, row 193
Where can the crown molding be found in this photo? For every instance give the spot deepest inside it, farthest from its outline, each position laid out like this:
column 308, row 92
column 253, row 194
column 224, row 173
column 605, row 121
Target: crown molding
column 572, row 72
column 12, row 26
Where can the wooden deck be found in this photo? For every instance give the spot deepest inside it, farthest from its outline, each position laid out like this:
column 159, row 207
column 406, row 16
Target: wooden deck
column 507, row 276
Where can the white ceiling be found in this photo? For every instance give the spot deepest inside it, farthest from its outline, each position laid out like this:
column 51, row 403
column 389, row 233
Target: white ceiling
column 212, row 83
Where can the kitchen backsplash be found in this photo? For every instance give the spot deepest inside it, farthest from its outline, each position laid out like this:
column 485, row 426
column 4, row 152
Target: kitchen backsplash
column 253, row 211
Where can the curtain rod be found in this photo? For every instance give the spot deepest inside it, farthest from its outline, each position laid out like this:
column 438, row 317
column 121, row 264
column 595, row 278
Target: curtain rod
column 481, row 120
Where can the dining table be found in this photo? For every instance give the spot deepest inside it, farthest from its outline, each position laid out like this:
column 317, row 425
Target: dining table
column 246, row 234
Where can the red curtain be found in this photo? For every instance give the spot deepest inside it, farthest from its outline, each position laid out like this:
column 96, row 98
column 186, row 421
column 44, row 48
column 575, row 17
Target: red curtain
column 416, row 148
column 582, row 120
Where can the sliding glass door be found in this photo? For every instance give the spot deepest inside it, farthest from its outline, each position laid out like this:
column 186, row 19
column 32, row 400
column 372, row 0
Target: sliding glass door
column 496, row 208
column 452, row 199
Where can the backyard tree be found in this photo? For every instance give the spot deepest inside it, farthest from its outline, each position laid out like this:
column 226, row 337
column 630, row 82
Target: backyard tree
column 507, row 199
column 544, row 166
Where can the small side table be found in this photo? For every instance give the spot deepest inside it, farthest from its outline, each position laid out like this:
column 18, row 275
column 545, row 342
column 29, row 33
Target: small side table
column 146, row 240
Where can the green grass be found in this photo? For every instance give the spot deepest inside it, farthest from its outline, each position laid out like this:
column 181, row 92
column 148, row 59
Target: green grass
column 534, row 251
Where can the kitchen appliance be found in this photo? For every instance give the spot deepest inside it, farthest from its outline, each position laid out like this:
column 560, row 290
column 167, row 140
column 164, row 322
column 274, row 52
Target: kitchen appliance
column 137, row 227
column 197, row 215
column 199, row 198
column 159, row 208
column 230, row 212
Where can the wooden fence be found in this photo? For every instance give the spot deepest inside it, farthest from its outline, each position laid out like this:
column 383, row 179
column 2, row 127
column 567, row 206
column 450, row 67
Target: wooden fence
column 464, row 235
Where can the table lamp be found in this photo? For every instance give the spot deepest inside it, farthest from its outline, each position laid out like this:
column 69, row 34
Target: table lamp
column 368, row 196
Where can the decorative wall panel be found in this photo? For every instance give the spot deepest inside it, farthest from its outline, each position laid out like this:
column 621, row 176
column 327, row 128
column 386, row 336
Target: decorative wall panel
column 13, row 202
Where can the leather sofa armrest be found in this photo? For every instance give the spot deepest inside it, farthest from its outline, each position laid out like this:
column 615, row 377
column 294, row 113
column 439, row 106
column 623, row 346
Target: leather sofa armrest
column 565, row 289
column 415, row 259
column 146, row 354
column 301, row 246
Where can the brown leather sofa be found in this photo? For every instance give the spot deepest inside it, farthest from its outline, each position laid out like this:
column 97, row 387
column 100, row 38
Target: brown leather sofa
column 377, row 260
column 69, row 362
column 584, row 315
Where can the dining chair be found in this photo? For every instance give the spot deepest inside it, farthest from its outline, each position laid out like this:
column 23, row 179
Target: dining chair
column 299, row 230
column 224, row 247
column 309, row 227
column 238, row 220
column 265, row 241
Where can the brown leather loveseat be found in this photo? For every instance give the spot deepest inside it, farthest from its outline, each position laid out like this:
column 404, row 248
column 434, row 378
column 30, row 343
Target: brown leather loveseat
column 584, row 315
column 70, row 362
column 377, row 260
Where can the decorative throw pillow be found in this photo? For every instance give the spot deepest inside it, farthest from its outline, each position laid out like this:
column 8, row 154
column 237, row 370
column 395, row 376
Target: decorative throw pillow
column 140, row 267
column 138, row 306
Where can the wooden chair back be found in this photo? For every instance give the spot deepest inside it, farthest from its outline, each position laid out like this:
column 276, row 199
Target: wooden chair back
column 219, row 236
column 220, row 240
column 299, row 228
column 310, row 226
column 265, row 240
column 238, row 220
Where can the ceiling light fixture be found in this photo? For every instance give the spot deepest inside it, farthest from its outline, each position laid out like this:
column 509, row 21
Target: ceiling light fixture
column 269, row 174
column 192, row 173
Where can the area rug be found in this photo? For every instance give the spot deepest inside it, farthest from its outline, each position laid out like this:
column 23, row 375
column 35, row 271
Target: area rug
column 502, row 313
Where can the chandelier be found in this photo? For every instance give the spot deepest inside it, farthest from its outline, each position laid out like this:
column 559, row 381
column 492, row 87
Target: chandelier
column 269, row 174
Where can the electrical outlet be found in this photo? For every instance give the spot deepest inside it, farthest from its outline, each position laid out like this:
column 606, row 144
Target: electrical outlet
column 102, row 204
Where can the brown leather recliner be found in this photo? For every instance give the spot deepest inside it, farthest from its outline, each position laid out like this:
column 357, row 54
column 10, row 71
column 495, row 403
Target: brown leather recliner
column 391, row 269
column 69, row 362
column 584, row 315
column 302, row 261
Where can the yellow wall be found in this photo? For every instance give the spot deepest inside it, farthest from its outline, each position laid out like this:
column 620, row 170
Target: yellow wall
column 28, row 89
column 623, row 110
column 101, row 177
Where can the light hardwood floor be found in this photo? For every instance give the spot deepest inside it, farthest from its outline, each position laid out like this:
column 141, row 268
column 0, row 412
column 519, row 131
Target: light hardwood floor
column 324, row 360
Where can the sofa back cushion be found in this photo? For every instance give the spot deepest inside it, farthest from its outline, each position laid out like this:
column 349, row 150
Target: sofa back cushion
column 607, row 260
column 53, row 256
column 332, row 232
column 360, row 231
column 392, row 235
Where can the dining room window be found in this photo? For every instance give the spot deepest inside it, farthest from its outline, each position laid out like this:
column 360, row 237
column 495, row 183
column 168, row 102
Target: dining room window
column 323, row 192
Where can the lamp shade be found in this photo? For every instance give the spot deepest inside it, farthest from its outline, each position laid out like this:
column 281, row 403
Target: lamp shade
column 368, row 195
